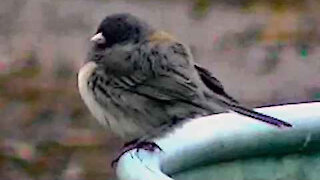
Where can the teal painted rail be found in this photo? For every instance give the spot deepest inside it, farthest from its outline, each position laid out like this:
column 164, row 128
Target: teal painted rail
column 233, row 147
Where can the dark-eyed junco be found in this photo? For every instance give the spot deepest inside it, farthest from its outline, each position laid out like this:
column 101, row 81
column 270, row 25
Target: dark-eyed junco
column 138, row 80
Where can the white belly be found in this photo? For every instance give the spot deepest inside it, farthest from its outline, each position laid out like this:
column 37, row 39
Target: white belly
column 87, row 95
column 119, row 124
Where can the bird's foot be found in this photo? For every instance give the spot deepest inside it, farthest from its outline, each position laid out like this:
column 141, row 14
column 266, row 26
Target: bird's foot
column 146, row 145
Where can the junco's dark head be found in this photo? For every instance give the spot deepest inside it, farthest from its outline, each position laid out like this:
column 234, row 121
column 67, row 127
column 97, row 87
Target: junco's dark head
column 120, row 29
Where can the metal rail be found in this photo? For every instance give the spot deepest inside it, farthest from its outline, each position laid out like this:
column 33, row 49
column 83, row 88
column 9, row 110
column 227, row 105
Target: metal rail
column 209, row 147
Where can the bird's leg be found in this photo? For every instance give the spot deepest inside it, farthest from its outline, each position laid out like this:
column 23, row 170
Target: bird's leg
column 135, row 144
column 144, row 143
column 148, row 146
column 125, row 148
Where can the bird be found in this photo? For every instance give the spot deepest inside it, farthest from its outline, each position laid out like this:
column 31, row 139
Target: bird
column 138, row 81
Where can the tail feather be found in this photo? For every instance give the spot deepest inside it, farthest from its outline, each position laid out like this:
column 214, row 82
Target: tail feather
column 256, row 115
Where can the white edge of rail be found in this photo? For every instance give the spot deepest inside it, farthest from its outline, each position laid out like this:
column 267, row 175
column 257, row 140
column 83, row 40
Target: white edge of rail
column 216, row 136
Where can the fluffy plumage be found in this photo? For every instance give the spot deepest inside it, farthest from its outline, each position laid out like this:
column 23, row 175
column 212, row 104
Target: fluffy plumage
column 138, row 80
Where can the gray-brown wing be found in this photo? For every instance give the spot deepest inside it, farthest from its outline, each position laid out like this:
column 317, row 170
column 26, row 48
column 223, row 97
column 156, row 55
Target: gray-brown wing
column 216, row 87
column 173, row 76
column 167, row 71
column 212, row 83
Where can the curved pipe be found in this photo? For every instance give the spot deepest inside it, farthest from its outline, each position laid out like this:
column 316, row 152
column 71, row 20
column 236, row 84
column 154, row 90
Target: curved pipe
column 224, row 137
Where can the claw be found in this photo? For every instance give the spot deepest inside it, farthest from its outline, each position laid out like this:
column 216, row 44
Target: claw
column 148, row 146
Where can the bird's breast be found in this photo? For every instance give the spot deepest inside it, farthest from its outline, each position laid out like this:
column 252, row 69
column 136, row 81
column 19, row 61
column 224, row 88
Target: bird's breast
column 112, row 118
column 86, row 93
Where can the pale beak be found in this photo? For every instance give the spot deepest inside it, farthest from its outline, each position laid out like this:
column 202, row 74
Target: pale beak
column 98, row 38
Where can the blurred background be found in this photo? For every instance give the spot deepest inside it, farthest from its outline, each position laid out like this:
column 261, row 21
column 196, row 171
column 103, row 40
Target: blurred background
column 265, row 52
